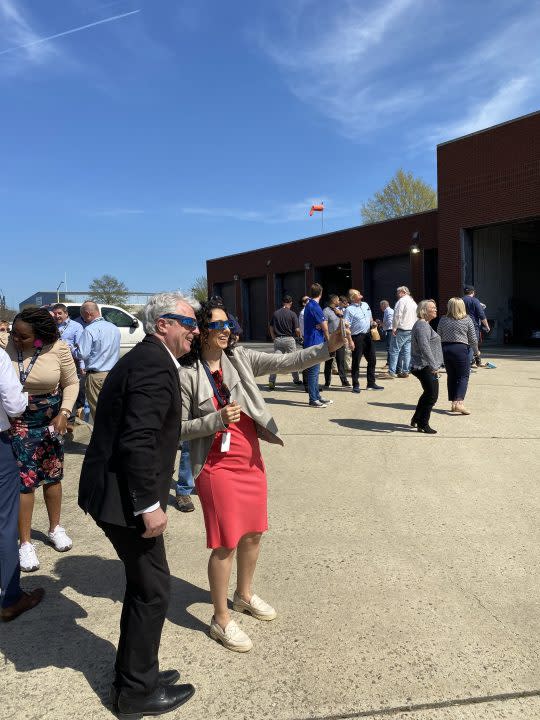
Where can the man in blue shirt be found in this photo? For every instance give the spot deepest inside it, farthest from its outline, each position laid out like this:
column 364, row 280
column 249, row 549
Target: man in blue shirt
column 315, row 332
column 70, row 332
column 358, row 316
column 475, row 310
column 99, row 347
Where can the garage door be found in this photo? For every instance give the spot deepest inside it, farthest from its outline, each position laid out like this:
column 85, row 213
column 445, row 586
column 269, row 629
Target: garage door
column 254, row 307
column 383, row 276
column 228, row 292
column 293, row 284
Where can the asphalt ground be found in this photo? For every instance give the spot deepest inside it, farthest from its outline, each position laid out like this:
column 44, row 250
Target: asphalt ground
column 404, row 568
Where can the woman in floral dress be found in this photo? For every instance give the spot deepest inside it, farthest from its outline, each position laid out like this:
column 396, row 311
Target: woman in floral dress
column 46, row 369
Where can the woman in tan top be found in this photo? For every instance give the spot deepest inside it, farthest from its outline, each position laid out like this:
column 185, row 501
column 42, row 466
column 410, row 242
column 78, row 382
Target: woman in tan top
column 46, row 369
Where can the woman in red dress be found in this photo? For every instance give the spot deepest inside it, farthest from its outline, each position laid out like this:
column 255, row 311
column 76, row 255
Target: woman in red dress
column 224, row 414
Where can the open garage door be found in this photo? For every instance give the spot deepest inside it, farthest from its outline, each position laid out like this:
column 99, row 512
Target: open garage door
column 382, row 277
column 506, row 268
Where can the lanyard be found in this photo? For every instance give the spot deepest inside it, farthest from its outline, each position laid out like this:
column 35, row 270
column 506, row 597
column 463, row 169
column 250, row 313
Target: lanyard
column 222, row 399
column 61, row 330
column 23, row 375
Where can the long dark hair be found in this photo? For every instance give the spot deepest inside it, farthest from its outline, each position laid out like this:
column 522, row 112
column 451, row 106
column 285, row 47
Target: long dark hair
column 41, row 322
column 204, row 316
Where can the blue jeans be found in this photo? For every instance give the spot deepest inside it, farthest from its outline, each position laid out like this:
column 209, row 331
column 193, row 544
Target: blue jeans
column 185, row 483
column 387, row 340
column 400, row 352
column 10, row 481
column 313, row 383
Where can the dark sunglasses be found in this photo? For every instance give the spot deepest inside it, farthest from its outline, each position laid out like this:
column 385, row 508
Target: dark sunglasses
column 188, row 322
column 220, row 325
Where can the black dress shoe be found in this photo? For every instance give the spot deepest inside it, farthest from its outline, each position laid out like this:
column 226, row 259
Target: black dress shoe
column 162, row 700
column 374, row 386
column 414, row 421
column 426, row 429
column 165, row 677
column 345, row 383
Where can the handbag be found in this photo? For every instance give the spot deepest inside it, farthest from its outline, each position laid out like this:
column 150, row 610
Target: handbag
column 375, row 334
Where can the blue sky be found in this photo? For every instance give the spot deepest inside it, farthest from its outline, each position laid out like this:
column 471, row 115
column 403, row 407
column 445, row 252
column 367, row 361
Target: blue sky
column 169, row 132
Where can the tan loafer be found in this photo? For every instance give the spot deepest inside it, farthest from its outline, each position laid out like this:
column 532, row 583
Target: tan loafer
column 255, row 607
column 233, row 637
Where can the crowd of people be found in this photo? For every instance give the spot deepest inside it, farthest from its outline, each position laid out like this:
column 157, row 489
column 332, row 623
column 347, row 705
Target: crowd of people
column 188, row 384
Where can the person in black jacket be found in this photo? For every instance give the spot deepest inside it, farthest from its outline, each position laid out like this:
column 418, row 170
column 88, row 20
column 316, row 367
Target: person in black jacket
column 124, row 486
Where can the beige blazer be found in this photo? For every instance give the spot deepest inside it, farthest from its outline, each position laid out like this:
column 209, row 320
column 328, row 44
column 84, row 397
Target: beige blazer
column 200, row 421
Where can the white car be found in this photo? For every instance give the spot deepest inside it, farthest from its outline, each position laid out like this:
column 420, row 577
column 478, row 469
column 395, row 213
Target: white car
column 131, row 329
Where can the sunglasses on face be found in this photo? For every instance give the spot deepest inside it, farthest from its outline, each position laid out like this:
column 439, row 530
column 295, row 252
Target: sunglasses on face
column 220, row 325
column 188, row 322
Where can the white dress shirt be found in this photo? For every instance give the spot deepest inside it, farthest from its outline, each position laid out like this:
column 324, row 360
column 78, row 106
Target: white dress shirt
column 156, row 505
column 404, row 313
column 13, row 400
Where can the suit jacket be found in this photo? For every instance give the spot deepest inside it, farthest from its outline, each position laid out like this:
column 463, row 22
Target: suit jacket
column 130, row 459
column 200, row 421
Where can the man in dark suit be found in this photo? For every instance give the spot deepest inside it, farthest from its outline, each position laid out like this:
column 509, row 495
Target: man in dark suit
column 124, row 486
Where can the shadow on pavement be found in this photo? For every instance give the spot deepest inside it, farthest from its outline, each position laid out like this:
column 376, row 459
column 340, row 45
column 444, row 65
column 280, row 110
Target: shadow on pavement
column 372, row 425
column 50, row 636
column 405, row 406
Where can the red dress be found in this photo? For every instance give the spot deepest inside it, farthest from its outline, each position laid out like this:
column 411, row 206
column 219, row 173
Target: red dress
column 232, row 485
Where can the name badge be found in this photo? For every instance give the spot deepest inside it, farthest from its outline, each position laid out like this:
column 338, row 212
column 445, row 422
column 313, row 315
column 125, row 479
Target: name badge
column 226, row 442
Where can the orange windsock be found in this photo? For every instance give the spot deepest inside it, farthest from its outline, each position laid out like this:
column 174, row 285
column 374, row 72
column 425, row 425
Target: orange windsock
column 316, row 208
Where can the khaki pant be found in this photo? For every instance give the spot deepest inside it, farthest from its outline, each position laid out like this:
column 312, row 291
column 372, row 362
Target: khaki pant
column 93, row 385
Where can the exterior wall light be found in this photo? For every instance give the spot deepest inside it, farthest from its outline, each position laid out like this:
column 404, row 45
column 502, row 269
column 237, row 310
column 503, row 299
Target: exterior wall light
column 307, row 266
column 414, row 249
column 236, row 277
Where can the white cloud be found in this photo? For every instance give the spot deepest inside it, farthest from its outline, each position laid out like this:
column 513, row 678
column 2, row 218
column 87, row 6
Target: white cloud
column 282, row 213
column 116, row 212
column 432, row 66
column 15, row 31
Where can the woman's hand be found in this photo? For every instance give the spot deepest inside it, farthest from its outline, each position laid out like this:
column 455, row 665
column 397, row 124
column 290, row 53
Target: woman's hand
column 231, row 413
column 59, row 423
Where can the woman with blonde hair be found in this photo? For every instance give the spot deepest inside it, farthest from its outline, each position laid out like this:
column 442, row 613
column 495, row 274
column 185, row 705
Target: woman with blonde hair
column 426, row 359
column 457, row 334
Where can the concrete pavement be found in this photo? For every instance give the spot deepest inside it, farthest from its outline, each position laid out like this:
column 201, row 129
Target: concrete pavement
column 404, row 568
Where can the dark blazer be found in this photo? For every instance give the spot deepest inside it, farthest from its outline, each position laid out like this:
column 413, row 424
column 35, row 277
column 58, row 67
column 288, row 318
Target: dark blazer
column 130, row 459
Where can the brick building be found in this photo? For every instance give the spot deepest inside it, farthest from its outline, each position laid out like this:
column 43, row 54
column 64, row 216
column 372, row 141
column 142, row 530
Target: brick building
column 486, row 231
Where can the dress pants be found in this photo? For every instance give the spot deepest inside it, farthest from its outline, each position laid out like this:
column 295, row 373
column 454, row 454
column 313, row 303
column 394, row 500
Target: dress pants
column 10, row 493
column 340, row 362
column 94, row 383
column 363, row 345
column 458, row 369
column 145, row 605
column 430, row 386
column 284, row 345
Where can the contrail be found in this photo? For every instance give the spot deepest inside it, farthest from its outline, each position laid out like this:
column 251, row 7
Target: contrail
column 69, row 32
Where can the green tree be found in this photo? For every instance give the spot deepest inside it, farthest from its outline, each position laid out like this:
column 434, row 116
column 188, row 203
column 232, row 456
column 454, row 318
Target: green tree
column 199, row 289
column 109, row 290
column 403, row 195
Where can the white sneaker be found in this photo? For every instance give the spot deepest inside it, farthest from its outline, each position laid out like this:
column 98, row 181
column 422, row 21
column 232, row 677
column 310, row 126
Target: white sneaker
column 256, row 607
column 233, row 638
column 327, row 402
column 28, row 558
column 60, row 540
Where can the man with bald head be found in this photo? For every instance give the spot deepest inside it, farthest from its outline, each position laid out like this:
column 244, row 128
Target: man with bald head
column 99, row 347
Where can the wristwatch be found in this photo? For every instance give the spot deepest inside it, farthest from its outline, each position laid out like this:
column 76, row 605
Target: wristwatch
column 65, row 413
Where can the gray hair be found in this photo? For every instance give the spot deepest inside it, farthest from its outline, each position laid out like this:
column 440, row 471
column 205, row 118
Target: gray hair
column 384, row 304
column 422, row 308
column 163, row 303
column 403, row 289
column 94, row 307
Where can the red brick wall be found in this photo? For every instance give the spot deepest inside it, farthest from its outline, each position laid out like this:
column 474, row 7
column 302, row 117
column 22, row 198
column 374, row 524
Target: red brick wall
column 354, row 245
column 487, row 178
